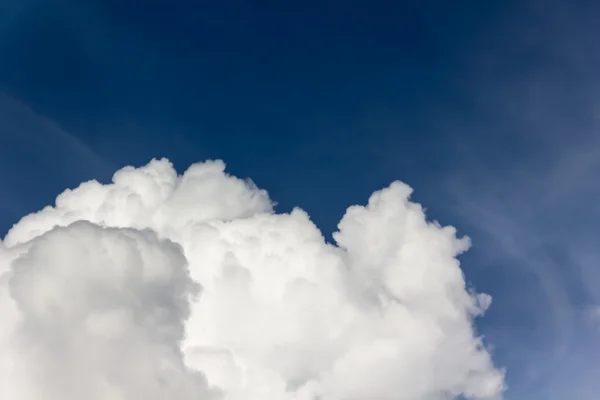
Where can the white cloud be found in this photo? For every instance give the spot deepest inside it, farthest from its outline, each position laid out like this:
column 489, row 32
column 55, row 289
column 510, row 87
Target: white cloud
column 97, row 313
column 99, row 309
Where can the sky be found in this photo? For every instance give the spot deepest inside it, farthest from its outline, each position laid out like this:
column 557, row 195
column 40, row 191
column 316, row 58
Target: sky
column 488, row 110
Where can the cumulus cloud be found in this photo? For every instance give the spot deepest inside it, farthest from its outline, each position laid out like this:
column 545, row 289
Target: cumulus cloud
column 97, row 313
column 160, row 286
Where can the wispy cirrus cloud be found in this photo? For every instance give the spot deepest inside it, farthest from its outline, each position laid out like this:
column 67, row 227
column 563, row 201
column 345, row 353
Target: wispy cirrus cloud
column 35, row 148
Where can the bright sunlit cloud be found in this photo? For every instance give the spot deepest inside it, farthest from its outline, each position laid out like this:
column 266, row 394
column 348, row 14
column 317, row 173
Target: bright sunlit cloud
column 159, row 286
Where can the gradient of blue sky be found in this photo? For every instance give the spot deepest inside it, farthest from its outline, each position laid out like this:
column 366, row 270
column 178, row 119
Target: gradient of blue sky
column 490, row 110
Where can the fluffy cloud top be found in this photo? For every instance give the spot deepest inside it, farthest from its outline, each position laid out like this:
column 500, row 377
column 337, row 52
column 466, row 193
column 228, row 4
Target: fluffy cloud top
column 160, row 286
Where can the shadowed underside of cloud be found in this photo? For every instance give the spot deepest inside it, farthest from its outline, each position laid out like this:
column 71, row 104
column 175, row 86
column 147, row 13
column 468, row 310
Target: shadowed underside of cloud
column 159, row 286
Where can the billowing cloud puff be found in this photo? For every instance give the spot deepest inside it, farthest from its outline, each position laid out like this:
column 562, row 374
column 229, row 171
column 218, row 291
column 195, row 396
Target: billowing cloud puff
column 160, row 286
column 97, row 313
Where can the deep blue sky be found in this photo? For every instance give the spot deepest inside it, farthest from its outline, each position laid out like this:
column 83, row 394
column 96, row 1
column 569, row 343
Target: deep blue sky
column 488, row 109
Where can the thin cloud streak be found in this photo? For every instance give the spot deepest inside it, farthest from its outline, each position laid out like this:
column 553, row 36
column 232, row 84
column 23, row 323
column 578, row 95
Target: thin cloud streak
column 541, row 230
column 45, row 132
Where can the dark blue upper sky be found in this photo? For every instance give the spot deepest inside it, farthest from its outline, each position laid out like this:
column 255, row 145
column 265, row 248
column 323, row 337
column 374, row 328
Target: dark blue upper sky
column 488, row 109
column 340, row 96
